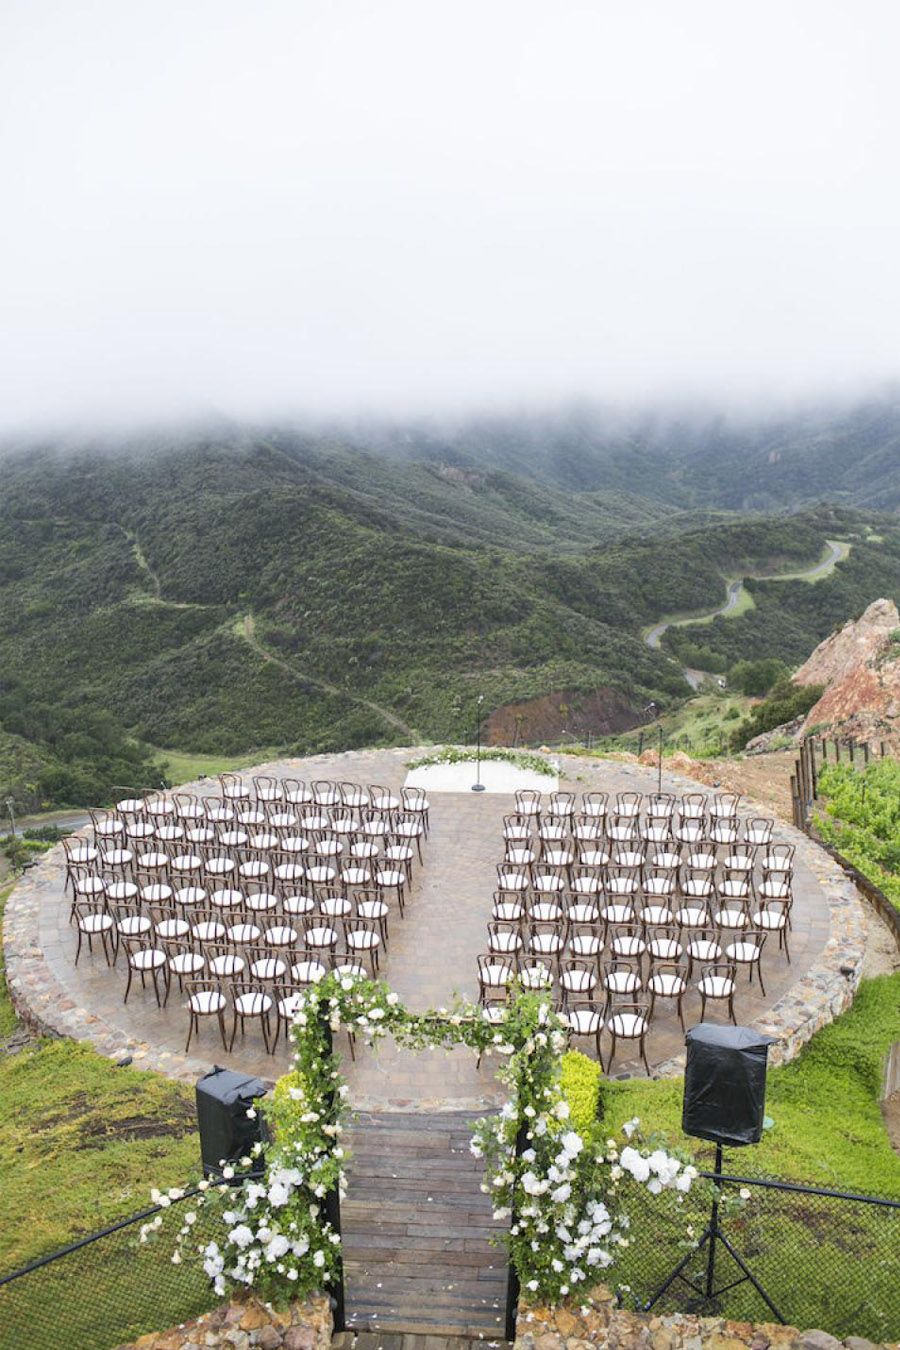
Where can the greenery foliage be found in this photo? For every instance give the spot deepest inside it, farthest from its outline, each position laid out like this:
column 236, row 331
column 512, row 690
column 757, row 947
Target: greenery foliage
column 579, row 1080
column 756, row 678
column 454, row 755
column 784, row 702
column 862, row 819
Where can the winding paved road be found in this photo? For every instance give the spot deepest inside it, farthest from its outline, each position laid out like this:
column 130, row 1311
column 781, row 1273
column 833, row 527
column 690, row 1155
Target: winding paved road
column 837, row 550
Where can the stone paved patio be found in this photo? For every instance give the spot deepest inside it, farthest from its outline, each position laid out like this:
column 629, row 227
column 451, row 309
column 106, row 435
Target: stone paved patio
column 431, row 953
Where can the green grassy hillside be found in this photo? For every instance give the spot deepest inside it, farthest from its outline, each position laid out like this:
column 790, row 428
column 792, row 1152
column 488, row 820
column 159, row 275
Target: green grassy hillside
column 225, row 592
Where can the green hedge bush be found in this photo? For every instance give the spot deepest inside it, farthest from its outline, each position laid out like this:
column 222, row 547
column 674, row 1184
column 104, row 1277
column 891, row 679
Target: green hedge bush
column 580, row 1079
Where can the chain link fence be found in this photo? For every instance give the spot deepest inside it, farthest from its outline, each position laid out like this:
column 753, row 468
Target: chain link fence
column 107, row 1289
column 826, row 1259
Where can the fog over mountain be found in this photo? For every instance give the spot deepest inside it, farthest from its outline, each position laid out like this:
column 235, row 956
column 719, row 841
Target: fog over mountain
column 395, row 207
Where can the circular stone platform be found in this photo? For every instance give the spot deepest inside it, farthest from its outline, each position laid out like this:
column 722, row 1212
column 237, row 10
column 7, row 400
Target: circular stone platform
column 432, row 951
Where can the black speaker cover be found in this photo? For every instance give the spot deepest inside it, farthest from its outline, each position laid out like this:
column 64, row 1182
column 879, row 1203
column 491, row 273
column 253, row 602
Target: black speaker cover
column 226, row 1134
column 725, row 1083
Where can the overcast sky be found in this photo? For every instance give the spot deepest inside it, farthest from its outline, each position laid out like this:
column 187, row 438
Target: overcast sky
column 271, row 206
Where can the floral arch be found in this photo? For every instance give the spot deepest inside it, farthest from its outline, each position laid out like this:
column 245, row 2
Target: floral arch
column 557, row 1182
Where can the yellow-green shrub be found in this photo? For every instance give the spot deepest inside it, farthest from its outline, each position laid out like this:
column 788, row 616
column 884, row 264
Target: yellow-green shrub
column 580, row 1082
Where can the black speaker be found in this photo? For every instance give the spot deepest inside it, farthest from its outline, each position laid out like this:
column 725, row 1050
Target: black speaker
column 226, row 1132
column 725, row 1084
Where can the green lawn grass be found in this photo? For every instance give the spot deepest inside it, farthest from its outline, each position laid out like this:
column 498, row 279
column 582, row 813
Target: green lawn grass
column 182, row 766
column 828, row 1130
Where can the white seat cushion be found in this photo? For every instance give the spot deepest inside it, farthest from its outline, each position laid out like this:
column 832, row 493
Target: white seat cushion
column 321, row 936
column 769, row 918
column 308, row 972
column 252, row 1003
column 667, row 984
column 496, row 976
column 148, row 958
column 630, row 1025
column 743, row 951
column 268, row 968
column 584, row 1021
column 578, row 981
column 281, row 935
column 207, row 1001
column 95, row 923
column 716, row 986
column 187, row 963
column 622, row 982
column 535, row 977
column 226, row 965
column 133, row 925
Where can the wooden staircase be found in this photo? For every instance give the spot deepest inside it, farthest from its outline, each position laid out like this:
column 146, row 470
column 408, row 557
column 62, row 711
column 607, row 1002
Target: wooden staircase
column 420, row 1272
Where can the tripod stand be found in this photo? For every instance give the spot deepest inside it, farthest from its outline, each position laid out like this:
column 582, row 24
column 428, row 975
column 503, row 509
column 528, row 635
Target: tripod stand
column 711, row 1235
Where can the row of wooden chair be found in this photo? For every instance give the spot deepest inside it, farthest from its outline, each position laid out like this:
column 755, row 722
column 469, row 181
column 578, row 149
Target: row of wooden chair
column 264, row 792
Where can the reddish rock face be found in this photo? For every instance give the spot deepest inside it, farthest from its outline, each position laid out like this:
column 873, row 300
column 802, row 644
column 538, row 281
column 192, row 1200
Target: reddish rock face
column 860, row 667
column 557, row 716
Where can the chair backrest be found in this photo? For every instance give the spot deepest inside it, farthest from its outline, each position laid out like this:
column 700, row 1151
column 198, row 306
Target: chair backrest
column 595, row 803
column 718, row 969
column 528, row 801
column 693, row 805
column 726, row 804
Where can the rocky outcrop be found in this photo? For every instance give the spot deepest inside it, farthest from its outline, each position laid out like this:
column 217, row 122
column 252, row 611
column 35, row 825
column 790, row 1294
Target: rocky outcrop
column 557, row 716
column 860, row 668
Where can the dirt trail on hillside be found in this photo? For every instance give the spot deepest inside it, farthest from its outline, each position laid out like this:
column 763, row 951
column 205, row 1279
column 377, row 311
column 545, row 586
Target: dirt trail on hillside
column 246, row 628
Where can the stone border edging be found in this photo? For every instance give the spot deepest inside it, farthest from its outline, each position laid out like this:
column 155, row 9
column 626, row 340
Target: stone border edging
column 819, row 996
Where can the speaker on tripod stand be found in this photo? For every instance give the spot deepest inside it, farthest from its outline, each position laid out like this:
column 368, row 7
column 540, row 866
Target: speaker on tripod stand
column 725, row 1102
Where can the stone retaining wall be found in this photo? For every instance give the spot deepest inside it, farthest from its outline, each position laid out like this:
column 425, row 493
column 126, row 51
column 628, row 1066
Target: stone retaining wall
column 598, row 1322
column 242, row 1324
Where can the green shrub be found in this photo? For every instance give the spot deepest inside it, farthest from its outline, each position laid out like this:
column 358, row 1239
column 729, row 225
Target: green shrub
column 580, row 1080
column 756, row 678
column 785, row 702
column 863, row 819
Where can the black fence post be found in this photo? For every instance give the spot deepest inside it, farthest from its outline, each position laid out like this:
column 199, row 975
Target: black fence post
column 512, row 1275
column 332, row 1204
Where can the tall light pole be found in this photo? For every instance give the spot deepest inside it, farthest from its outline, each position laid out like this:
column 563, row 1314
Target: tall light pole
column 654, row 709
column 478, row 786
column 11, row 808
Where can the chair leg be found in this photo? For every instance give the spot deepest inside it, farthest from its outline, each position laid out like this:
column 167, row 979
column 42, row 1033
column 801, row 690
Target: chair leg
column 222, row 1029
column 191, row 1030
column 644, row 1054
column 758, row 965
